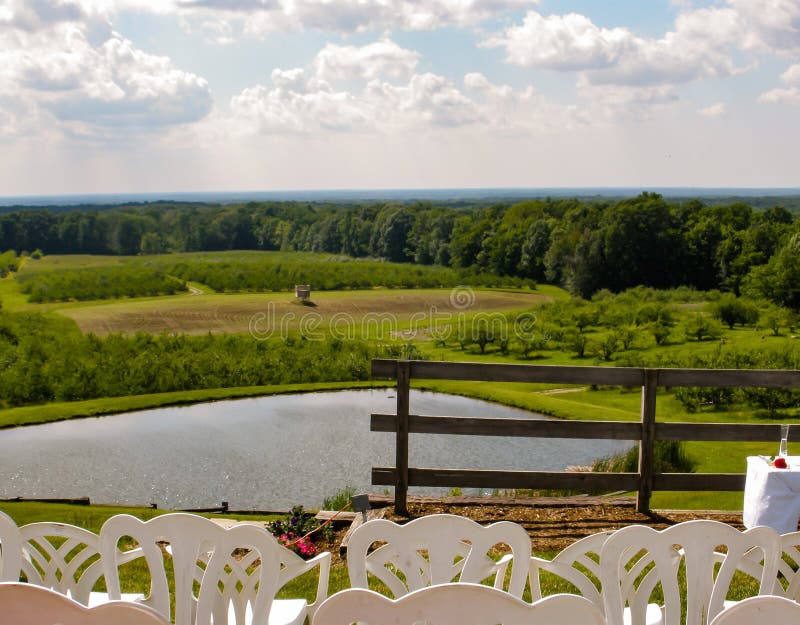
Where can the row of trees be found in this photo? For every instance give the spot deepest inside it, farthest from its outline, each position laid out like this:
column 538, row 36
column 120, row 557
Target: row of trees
column 98, row 283
column 47, row 359
column 613, row 327
column 585, row 246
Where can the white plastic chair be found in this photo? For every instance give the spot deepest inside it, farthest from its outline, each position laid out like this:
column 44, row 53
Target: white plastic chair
column 762, row 610
column 787, row 581
column 635, row 559
column 10, row 549
column 455, row 604
column 789, row 568
column 437, row 549
column 65, row 558
column 579, row 564
column 27, row 604
column 233, row 588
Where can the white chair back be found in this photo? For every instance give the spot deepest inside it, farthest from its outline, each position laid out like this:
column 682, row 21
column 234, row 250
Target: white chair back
column 455, row 604
column 436, row 549
column 28, row 604
column 63, row 557
column 762, row 610
column 636, row 559
column 203, row 553
column 10, row 549
column 578, row 564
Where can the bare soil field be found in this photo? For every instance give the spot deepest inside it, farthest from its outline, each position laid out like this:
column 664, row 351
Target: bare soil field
column 351, row 314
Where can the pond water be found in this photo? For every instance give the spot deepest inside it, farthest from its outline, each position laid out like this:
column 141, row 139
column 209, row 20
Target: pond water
column 265, row 453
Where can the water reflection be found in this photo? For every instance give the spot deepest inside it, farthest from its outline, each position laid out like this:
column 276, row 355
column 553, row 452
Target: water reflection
column 265, row 453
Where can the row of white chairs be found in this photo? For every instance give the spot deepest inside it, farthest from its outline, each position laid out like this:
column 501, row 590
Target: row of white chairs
column 615, row 572
column 445, row 604
column 221, row 575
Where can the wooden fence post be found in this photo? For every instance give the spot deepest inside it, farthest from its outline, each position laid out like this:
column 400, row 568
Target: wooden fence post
column 401, row 462
column 647, row 442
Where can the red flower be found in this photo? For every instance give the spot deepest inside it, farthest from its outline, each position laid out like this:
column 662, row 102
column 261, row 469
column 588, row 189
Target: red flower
column 780, row 462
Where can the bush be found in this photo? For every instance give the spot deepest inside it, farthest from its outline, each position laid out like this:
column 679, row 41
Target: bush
column 339, row 500
column 668, row 457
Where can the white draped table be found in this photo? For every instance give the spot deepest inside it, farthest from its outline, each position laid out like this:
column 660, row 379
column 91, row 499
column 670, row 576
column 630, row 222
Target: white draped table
column 772, row 495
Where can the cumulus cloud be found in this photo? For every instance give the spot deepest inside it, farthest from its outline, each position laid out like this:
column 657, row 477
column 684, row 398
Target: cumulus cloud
column 382, row 58
column 788, row 95
column 718, row 109
column 697, row 48
column 563, row 42
column 391, row 95
column 334, row 97
column 702, row 43
column 260, row 17
column 91, row 89
column 616, row 102
column 300, row 104
column 769, row 25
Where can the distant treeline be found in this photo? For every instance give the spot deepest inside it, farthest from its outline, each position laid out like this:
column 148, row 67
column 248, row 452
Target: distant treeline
column 584, row 246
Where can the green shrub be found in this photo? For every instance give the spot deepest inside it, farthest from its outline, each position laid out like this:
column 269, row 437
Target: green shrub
column 668, row 457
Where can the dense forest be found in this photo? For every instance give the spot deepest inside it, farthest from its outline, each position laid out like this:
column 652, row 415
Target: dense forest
column 584, row 246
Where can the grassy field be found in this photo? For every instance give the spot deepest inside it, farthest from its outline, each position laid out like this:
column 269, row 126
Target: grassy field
column 389, row 315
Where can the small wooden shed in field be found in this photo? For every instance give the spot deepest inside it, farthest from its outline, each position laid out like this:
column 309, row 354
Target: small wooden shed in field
column 302, row 291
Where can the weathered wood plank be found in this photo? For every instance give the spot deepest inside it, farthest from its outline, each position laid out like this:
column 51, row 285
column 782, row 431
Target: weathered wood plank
column 699, row 481
column 623, row 376
column 771, row 378
column 487, row 426
column 401, row 452
column 494, row 372
column 646, row 444
column 769, row 432
column 509, row 479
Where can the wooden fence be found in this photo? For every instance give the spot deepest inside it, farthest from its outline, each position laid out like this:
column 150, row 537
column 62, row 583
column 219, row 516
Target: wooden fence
column 647, row 430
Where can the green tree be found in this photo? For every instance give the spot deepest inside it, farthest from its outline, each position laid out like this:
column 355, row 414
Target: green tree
column 732, row 310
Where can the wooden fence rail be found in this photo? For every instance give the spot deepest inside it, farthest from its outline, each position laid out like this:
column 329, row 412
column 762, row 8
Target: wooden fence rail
column 647, row 430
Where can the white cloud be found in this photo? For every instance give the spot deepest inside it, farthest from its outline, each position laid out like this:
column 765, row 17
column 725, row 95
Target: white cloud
column 769, row 25
column 792, row 75
column 382, row 58
column 260, row 17
column 718, row 109
column 519, row 111
column 563, row 42
column 616, row 103
column 697, row 48
column 305, row 100
column 95, row 90
column 701, row 44
column 788, row 95
column 296, row 104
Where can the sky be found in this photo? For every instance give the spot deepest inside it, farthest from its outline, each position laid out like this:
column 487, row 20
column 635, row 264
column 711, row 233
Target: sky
column 147, row 96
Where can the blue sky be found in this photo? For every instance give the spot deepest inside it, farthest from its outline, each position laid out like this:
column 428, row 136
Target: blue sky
column 103, row 96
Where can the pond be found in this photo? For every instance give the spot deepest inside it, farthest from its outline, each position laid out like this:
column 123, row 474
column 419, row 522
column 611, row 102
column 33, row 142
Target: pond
column 265, row 453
